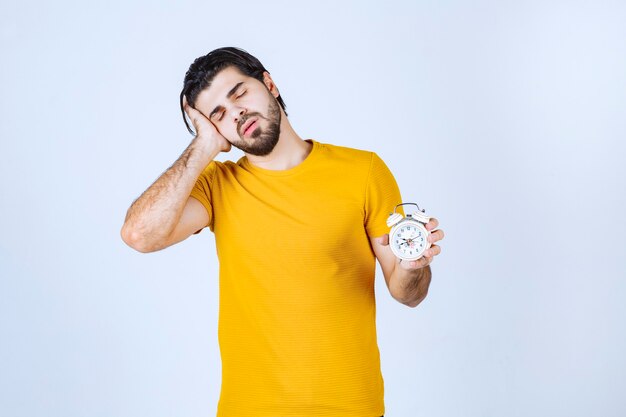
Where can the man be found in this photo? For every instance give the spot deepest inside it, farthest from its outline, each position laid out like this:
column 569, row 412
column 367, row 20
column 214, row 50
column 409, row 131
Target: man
column 298, row 225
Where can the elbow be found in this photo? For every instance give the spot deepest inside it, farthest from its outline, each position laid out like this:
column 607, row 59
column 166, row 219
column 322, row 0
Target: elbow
column 406, row 298
column 133, row 239
column 414, row 302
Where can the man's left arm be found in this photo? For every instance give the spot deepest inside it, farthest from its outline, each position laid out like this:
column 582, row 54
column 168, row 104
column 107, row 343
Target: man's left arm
column 408, row 281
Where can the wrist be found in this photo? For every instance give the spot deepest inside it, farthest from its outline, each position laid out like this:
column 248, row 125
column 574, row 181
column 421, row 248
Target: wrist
column 206, row 148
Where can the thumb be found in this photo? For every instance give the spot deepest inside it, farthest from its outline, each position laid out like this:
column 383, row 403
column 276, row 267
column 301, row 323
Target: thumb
column 384, row 239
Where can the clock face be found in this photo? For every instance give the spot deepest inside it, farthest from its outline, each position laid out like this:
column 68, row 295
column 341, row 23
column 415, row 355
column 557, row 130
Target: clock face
column 409, row 240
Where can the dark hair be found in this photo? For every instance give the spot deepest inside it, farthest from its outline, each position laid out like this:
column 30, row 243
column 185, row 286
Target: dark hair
column 203, row 69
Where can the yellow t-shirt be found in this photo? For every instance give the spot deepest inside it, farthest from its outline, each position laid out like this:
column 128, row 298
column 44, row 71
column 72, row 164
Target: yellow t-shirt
column 297, row 314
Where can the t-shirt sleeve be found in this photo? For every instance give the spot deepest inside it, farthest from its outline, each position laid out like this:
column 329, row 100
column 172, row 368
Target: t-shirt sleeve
column 381, row 197
column 202, row 191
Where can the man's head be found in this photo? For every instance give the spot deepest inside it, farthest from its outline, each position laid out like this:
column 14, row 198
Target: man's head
column 231, row 88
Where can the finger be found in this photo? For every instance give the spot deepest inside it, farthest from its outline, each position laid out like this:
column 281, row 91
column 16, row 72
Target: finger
column 435, row 236
column 194, row 115
column 384, row 239
column 190, row 110
column 416, row 264
column 432, row 224
column 434, row 250
column 424, row 261
column 187, row 107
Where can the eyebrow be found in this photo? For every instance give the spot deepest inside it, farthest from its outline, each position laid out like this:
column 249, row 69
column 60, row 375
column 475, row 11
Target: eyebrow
column 228, row 96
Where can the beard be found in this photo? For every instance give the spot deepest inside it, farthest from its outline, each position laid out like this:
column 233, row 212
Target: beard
column 262, row 140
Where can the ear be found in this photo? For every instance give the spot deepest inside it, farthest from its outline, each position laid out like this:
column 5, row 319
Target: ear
column 269, row 83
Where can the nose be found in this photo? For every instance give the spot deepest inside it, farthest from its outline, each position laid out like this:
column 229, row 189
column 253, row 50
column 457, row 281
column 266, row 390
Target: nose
column 238, row 113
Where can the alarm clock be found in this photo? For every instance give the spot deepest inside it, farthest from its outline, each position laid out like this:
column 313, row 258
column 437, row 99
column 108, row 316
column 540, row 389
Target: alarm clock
column 408, row 236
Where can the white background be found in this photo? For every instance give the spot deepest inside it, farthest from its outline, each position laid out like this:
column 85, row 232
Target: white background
column 505, row 120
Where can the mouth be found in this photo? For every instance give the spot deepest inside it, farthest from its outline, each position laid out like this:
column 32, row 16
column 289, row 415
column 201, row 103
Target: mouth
column 247, row 126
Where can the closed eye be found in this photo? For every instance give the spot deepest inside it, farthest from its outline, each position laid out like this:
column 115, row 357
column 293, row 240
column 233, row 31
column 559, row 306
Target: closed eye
column 222, row 114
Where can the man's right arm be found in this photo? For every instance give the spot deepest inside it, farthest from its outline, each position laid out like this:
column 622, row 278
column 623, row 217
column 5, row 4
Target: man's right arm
column 165, row 213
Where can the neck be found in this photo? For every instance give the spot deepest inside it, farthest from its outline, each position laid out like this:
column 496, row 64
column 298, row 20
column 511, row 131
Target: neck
column 290, row 150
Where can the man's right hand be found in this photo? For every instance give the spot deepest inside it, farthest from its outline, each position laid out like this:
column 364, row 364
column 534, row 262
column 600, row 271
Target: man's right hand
column 205, row 129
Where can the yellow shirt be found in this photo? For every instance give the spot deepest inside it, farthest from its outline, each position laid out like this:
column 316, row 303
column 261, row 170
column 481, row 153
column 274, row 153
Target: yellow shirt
column 297, row 314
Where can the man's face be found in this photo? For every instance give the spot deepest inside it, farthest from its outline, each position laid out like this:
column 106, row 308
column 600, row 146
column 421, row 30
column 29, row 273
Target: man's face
column 232, row 101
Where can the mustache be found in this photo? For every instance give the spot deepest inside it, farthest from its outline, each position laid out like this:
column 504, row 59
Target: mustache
column 251, row 115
